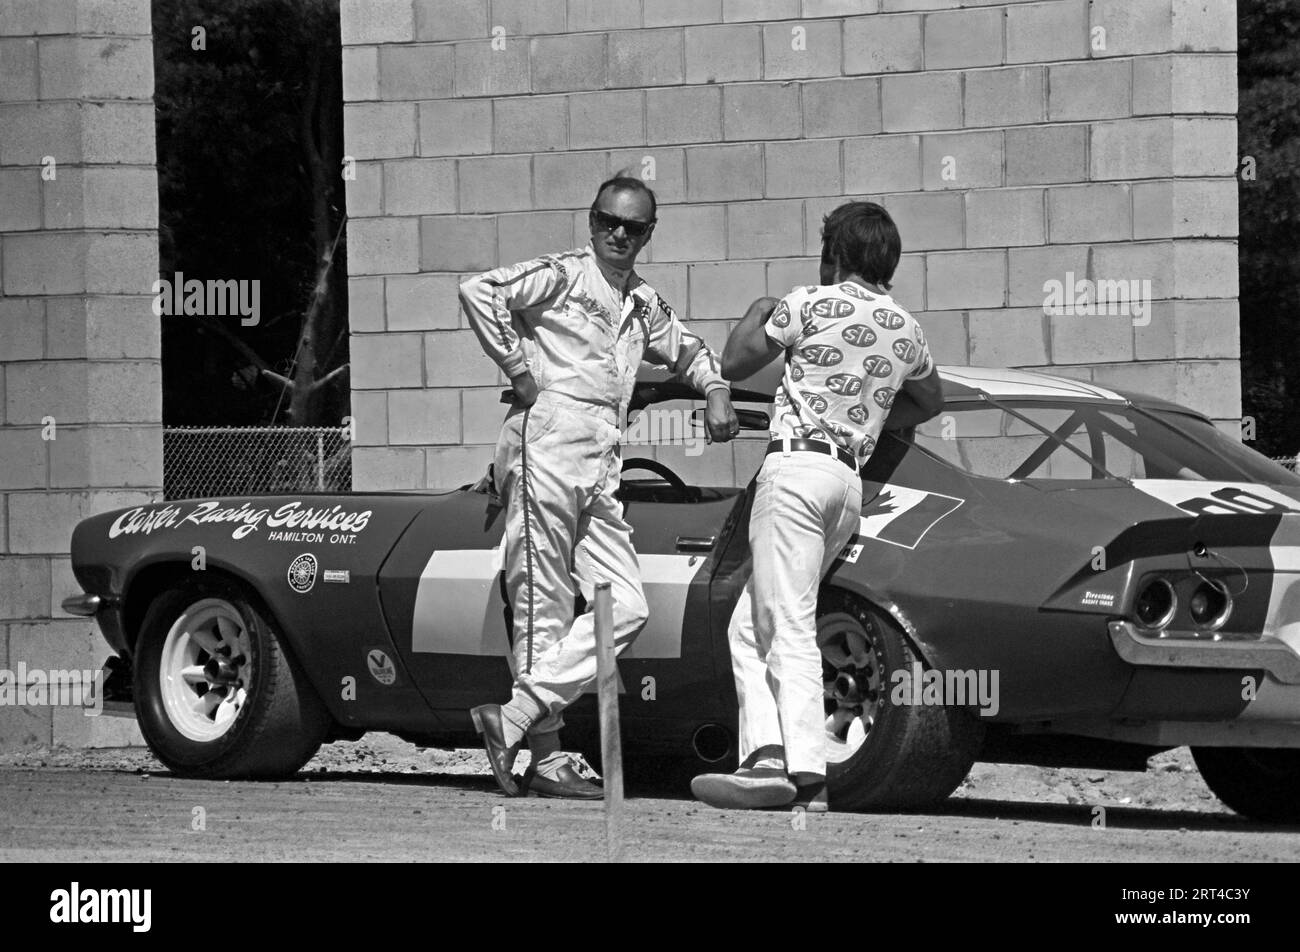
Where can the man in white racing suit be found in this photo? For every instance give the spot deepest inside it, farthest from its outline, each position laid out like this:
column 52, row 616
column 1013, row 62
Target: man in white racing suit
column 570, row 331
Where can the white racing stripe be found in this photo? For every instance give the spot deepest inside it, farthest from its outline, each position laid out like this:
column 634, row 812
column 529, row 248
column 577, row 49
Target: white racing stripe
column 458, row 606
column 1022, row 383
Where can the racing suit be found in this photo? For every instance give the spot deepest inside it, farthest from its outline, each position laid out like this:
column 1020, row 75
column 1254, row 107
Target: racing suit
column 582, row 329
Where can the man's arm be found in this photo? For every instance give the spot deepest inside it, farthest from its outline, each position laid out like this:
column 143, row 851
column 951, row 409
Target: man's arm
column 488, row 300
column 920, row 397
column 690, row 359
column 750, row 347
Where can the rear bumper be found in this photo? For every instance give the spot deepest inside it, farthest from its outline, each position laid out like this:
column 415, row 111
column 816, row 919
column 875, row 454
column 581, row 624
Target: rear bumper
column 1171, row 651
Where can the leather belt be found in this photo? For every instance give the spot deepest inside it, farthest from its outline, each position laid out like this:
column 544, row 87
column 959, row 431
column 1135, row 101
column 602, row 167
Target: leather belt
column 813, row 446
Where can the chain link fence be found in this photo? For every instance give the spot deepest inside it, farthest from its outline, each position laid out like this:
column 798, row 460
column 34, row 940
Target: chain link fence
column 217, row 461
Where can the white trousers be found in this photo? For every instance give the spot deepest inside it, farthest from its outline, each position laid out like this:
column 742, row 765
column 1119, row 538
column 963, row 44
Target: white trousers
column 806, row 509
column 557, row 468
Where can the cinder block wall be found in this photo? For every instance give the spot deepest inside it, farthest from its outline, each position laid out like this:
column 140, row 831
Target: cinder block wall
column 79, row 346
column 1015, row 142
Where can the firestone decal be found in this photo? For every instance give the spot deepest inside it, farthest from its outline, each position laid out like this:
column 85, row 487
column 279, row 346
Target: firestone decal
column 144, row 520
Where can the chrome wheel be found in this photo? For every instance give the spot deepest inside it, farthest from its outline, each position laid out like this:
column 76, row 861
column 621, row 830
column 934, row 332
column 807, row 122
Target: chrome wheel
column 206, row 669
column 853, row 678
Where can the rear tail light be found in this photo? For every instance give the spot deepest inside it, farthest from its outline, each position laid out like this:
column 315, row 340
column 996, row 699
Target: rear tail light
column 1210, row 605
column 1155, row 604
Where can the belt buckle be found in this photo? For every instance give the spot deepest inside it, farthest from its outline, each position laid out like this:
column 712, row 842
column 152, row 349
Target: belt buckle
column 785, row 446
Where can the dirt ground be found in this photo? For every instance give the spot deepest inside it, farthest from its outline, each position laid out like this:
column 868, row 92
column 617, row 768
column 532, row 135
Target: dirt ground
column 382, row 799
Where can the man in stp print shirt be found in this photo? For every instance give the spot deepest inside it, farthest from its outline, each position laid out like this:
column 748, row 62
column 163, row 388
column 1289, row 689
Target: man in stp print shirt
column 570, row 331
column 855, row 362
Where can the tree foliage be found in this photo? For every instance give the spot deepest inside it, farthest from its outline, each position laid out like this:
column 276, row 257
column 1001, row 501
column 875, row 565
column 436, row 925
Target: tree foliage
column 249, row 110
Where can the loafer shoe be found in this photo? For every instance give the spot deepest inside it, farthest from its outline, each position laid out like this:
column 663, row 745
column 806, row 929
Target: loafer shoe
column 487, row 721
column 567, row 784
column 750, row 789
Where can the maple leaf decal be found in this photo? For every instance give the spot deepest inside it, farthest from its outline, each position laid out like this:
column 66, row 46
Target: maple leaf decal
column 880, row 506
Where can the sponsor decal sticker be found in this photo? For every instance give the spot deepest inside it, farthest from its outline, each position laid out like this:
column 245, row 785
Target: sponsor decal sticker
column 858, row 414
column 294, row 520
column 851, row 552
column 902, row 516
column 877, row 366
column 381, row 667
column 884, row 397
column 1219, row 499
column 832, row 307
column 781, row 315
column 823, row 355
column 343, row 576
column 302, row 573
column 905, row 350
column 796, row 372
column 890, row 320
column 1097, row 599
column 859, row 335
column 847, row 385
column 815, row 401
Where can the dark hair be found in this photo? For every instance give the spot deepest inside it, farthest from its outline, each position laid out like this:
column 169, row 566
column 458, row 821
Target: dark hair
column 861, row 238
column 626, row 183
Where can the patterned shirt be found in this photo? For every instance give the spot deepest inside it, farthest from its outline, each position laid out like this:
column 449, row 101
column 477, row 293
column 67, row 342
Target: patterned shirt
column 563, row 318
column 848, row 350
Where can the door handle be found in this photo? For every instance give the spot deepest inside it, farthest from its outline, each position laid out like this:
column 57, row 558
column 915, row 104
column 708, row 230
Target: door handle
column 695, row 543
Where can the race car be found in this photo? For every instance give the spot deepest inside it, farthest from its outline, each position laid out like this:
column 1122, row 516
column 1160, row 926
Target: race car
column 1047, row 572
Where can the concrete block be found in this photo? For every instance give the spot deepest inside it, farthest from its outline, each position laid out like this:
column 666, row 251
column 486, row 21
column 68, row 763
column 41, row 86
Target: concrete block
column 531, row 124
column 841, row 107
column 1131, row 149
column 1204, row 269
column 965, row 279
column 483, row 69
column 961, row 160
column 457, row 127
column 564, row 64
column 383, row 246
column 365, row 304
column 801, row 50
column 761, row 111
column 24, row 587
column 607, row 119
column 1046, row 154
column 908, row 286
column 365, row 192
column 379, row 130
column 1013, row 337
column 920, row 101
column 1004, row 217
column 35, row 130
column 1090, row 213
column 376, row 21
column 457, row 243
column 124, row 392
column 1097, row 90
column 360, row 73
column 693, row 233
column 838, row 8
column 453, row 466
column 1138, row 262
column 1130, row 27
column 37, row 17
column 585, row 15
column 119, row 17
column 764, row 229
column 664, row 170
column 946, row 333
column 641, row 58
column 525, row 236
column 113, row 327
column 481, row 415
column 1212, row 387
column 1204, row 25
column 420, row 187
column 1006, row 97
column 783, row 276
column 1047, row 32
column 22, row 328
column 569, row 180
column 1193, row 208
column 370, row 417
column 684, row 114
column 723, row 54
column 121, row 263
column 877, row 164
column 494, row 184
column 456, row 359
column 423, row 417
column 529, row 17
column 422, row 302
column 882, row 44
column 57, row 646
column 735, row 10
column 721, row 291
column 1183, row 84
column 384, row 361
column 118, row 133
column 26, row 727
column 416, row 72
column 681, row 12
column 963, row 38
column 926, row 221
column 20, row 199
column 797, row 169
column 724, row 173
column 81, row 67
column 1196, row 329
column 383, row 469
column 1204, row 147
column 1030, row 269
column 107, row 457
column 1092, row 339
column 18, row 77
column 23, row 458
column 42, row 522
column 450, row 19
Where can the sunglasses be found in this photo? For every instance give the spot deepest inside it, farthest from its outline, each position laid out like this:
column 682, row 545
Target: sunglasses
column 608, row 222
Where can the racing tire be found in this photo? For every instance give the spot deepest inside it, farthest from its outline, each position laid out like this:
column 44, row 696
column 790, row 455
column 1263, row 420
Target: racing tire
column 1262, row 783
column 912, row 756
column 217, row 694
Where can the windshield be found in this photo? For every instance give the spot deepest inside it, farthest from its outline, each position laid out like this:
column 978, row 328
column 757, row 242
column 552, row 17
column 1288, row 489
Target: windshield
column 1070, row 441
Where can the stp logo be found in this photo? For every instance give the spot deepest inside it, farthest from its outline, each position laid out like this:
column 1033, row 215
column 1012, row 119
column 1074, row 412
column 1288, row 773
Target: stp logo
column 809, row 432
column 815, row 401
column 867, row 446
column 877, row 366
column 904, row 350
column 853, row 291
column 839, row 430
column 781, row 315
column 848, row 385
column 884, row 397
column 858, row 414
column 890, row 320
column 832, row 307
column 823, row 355
column 859, row 335
column 796, row 372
